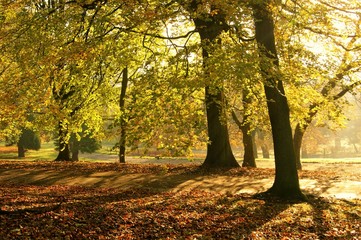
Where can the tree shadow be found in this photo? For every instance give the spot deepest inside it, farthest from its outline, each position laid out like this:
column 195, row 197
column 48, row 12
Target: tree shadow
column 153, row 212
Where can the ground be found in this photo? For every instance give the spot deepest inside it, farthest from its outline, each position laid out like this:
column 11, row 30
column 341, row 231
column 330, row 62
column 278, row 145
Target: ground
column 340, row 180
column 151, row 198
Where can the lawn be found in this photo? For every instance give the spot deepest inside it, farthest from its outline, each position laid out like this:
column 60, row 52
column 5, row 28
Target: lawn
column 86, row 200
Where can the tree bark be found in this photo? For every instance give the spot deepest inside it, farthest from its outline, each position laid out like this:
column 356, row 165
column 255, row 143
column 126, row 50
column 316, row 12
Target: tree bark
column 264, row 146
column 297, row 143
column 299, row 133
column 64, row 152
column 123, row 123
column 254, row 144
column 219, row 152
column 75, row 150
column 64, row 149
column 286, row 183
column 21, row 151
column 248, row 157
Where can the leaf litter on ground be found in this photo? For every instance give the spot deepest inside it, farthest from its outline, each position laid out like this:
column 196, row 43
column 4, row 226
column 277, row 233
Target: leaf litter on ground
column 78, row 212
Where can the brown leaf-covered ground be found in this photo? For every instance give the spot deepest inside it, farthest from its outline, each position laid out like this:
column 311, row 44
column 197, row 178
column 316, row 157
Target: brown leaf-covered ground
column 49, row 200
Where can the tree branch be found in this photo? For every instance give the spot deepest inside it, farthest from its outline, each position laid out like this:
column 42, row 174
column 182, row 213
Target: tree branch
column 346, row 90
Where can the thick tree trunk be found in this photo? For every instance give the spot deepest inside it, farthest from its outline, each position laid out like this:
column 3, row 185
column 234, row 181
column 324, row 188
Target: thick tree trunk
column 286, row 183
column 123, row 123
column 75, row 155
column 254, row 144
column 248, row 157
column 75, row 150
column 219, row 152
column 64, row 152
column 21, row 151
column 64, row 149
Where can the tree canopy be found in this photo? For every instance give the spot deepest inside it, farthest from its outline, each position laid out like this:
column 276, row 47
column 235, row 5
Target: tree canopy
column 193, row 70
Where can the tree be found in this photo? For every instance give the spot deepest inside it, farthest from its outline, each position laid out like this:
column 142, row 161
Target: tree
column 210, row 23
column 249, row 158
column 326, row 73
column 82, row 65
column 28, row 140
column 286, row 184
column 86, row 144
column 123, row 122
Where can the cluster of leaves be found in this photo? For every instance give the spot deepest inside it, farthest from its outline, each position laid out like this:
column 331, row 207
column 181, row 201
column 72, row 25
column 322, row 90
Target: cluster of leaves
column 65, row 59
column 69, row 212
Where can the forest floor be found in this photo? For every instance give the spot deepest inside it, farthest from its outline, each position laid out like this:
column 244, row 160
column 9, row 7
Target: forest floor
column 173, row 199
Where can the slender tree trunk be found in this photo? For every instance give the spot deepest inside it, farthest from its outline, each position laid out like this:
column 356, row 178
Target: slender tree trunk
column 265, row 151
column 297, row 143
column 64, row 149
column 21, row 151
column 219, row 152
column 123, row 123
column 355, row 147
column 248, row 158
column 298, row 136
column 264, row 146
column 338, row 146
column 286, row 183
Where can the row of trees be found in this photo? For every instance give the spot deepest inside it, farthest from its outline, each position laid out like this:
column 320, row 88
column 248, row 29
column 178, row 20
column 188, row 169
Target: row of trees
column 174, row 73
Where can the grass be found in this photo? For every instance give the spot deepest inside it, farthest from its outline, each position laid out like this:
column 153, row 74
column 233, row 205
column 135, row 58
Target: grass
column 48, row 152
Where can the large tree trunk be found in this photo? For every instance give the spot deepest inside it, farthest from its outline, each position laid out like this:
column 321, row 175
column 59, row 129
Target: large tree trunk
column 123, row 123
column 219, row 152
column 254, row 144
column 248, row 157
column 75, row 150
column 64, row 152
column 21, row 151
column 286, row 183
column 64, row 149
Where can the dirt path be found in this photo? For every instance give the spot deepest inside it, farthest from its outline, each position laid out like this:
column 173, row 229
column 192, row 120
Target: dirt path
column 337, row 180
